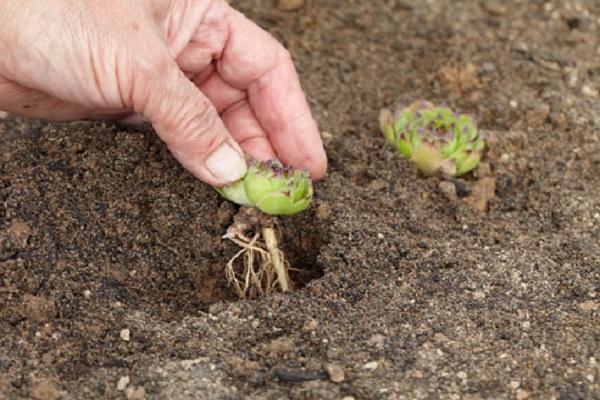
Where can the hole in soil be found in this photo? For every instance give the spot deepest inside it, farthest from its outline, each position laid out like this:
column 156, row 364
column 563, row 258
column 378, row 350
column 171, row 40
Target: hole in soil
column 300, row 246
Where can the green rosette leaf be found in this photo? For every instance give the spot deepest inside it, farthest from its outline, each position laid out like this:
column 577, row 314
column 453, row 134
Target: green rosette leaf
column 278, row 190
column 236, row 193
column 272, row 188
column 433, row 138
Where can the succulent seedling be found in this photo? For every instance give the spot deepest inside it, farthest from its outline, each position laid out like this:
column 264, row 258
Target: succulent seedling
column 433, row 138
column 272, row 188
column 267, row 190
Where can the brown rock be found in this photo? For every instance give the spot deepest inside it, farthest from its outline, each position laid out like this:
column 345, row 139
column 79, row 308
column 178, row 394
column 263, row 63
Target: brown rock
column 17, row 235
column 377, row 184
column 39, row 309
column 43, row 390
column 310, row 325
column 4, row 384
column 241, row 366
column 290, row 5
column 495, row 7
column 279, row 346
column 448, row 189
column 483, row 191
column 138, row 393
column 483, row 170
column 459, row 79
column 19, row 228
column 323, row 211
column 589, row 305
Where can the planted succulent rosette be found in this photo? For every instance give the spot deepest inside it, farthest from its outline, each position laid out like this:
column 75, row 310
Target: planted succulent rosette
column 272, row 188
column 433, row 138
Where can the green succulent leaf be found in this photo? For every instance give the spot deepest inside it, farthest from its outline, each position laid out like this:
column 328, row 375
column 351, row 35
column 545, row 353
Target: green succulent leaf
column 386, row 124
column 236, row 193
column 434, row 138
column 272, row 188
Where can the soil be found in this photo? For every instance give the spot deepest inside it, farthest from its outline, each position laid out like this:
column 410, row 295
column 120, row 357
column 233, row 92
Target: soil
column 111, row 257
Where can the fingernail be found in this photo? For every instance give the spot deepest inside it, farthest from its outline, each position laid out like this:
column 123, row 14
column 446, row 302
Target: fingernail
column 225, row 164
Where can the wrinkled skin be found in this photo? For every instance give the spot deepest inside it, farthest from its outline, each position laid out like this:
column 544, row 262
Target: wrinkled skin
column 198, row 70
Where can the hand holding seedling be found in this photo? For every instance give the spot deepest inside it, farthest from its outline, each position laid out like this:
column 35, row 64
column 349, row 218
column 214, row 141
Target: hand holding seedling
column 212, row 83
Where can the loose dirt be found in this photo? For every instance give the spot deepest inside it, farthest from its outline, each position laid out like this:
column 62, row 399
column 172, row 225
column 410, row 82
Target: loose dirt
column 412, row 287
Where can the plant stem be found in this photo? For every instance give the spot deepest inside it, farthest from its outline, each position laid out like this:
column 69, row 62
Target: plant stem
column 278, row 264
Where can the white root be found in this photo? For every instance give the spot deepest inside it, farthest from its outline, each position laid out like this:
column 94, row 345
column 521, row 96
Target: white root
column 264, row 267
column 277, row 259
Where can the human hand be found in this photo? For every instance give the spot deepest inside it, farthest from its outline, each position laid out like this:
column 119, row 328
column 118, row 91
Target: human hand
column 210, row 81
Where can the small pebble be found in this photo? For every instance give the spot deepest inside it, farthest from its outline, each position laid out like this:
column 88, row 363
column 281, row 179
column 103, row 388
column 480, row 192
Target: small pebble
column 138, row 393
column 310, row 325
column 448, row 189
column 290, row 5
column 87, row 293
column 479, row 295
column 371, row 366
column 462, row 375
column 526, row 325
column 377, row 341
column 589, row 91
column 489, row 67
column 125, row 335
column 513, row 104
column 589, row 305
column 326, row 135
column 335, row 372
column 523, row 395
column 514, row 385
column 122, row 383
column 417, row 374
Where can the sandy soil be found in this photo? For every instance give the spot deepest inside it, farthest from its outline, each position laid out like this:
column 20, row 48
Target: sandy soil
column 111, row 261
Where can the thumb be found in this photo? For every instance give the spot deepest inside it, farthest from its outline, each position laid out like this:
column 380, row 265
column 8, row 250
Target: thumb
column 189, row 125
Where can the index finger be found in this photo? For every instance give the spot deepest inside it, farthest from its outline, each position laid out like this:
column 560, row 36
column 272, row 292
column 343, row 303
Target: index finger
column 254, row 61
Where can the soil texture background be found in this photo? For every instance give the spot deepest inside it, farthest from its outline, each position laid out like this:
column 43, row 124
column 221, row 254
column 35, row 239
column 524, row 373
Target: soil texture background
column 111, row 257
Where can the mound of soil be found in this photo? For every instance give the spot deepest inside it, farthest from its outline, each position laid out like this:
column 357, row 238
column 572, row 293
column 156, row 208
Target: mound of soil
column 111, row 257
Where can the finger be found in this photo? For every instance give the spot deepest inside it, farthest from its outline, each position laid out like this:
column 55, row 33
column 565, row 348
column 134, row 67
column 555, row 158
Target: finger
column 220, row 93
column 282, row 109
column 245, row 128
column 188, row 123
column 253, row 60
